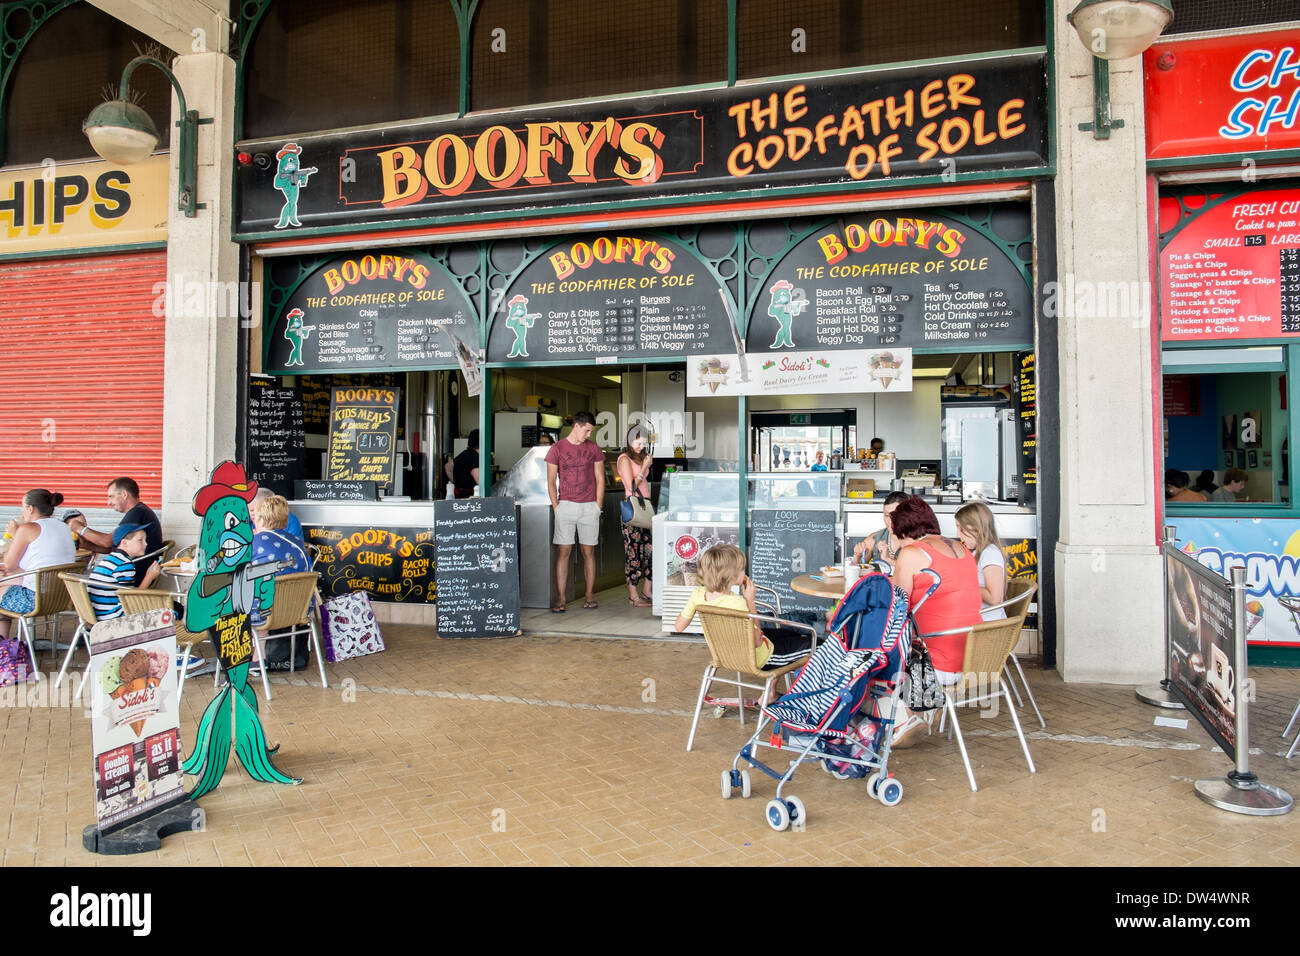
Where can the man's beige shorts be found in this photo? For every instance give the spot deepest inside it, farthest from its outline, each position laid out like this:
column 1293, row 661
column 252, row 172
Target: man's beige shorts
column 577, row 518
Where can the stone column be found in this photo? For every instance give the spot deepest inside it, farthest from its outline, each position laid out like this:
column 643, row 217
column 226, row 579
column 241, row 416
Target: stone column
column 1108, row 585
column 202, row 328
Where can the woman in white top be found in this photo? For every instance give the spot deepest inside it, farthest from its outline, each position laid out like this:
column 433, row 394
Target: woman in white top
column 977, row 530
column 38, row 541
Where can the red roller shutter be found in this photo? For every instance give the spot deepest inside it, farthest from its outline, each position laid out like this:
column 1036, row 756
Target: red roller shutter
column 81, row 376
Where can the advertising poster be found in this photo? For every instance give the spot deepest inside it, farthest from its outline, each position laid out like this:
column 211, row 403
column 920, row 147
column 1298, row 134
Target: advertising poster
column 1202, row 651
column 1269, row 550
column 135, row 722
column 389, row 564
column 801, row 373
column 686, row 542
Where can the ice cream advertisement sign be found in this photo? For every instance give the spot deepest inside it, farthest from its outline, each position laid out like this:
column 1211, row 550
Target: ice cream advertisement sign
column 134, row 716
column 801, row 373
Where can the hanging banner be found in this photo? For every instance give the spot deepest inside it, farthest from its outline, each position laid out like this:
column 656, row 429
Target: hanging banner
column 1223, row 95
column 611, row 297
column 1230, row 266
column 135, row 717
column 801, row 373
column 861, row 127
column 374, row 311
column 1269, row 550
column 911, row 281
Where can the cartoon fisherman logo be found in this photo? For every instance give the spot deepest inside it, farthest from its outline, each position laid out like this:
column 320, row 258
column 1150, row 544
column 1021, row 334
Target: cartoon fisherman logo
column 784, row 307
column 519, row 320
column 219, row 601
column 296, row 333
column 289, row 178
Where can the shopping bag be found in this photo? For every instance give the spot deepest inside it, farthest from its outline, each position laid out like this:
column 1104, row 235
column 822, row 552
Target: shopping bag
column 15, row 667
column 350, row 628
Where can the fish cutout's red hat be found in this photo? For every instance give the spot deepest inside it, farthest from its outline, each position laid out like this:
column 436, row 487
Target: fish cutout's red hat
column 288, row 148
column 783, row 284
column 228, row 480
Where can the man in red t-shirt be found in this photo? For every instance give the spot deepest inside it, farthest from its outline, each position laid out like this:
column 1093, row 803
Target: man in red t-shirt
column 579, row 466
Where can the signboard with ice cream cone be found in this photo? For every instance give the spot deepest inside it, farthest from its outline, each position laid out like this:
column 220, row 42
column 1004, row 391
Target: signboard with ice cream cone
column 135, row 720
column 801, row 373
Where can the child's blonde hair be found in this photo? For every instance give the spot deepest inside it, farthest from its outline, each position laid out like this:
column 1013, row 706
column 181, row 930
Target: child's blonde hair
column 721, row 566
column 976, row 518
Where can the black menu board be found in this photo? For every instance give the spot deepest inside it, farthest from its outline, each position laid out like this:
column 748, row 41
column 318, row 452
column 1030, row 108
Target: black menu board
column 277, row 442
column 916, row 281
column 786, row 544
column 477, row 549
column 379, row 311
column 317, row 390
column 363, row 435
column 613, row 297
column 311, row 489
column 1026, row 387
column 389, row 564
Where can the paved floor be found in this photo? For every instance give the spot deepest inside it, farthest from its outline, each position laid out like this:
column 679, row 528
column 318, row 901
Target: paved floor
column 566, row 750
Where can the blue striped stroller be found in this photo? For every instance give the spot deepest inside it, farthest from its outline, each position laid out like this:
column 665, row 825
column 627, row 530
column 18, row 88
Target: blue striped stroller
column 864, row 654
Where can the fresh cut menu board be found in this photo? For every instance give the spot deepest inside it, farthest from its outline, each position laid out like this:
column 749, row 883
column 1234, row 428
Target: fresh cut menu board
column 377, row 311
column 277, row 440
column 920, row 280
column 477, row 549
column 786, row 544
column 1230, row 266
column 613, row 297
column 363, row 435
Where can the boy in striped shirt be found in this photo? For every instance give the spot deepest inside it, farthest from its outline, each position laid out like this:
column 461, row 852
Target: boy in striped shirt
column 117, row 570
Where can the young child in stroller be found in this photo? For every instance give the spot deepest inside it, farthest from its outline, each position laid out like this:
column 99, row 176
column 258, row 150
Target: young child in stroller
column 722, row 567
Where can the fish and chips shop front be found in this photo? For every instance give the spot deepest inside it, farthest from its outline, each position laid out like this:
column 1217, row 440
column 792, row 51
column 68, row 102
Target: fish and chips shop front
column 756, row 274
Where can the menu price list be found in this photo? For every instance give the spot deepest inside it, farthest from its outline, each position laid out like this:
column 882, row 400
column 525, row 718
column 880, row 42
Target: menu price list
column 277, row 438
column 785, row 544
column 477, row 561
column 1289, row 286
column 630, row 325
column 944, row 311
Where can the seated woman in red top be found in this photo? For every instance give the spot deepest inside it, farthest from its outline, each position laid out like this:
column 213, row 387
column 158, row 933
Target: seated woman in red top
column 923, row 554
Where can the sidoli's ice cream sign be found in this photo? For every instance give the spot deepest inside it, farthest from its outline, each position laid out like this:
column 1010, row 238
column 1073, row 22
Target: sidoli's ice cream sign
column 1223, row 95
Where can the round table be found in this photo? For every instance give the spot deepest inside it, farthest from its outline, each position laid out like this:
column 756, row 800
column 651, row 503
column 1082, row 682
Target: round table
column 832, row 588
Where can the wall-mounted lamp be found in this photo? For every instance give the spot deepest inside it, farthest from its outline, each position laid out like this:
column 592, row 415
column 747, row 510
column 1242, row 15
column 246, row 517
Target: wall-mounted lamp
column 121, row 132
column 1115, row 30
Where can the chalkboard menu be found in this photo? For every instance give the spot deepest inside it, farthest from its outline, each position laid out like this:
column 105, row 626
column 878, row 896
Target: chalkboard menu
column 477, row 548
column 389, row 564
column 1026, row 388
column 363, row 435
column 613, row 297
column 311, row 489
column 920, row 280
column 1230, row 269
column 786, row 544
column 277, row 442
column 372, row 311
column 317, row 390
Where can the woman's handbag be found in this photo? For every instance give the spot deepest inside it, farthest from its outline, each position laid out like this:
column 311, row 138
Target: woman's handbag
column 15, row 667
column 921, row 688
column 637, row 512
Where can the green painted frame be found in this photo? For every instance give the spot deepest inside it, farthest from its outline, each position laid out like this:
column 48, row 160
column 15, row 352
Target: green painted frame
column 12, row 42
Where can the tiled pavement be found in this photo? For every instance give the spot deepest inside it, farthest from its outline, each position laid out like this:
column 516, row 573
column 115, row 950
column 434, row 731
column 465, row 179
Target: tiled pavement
column 566, row 750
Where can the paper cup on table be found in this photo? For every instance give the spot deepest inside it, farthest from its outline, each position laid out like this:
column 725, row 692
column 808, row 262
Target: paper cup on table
column 851, row 573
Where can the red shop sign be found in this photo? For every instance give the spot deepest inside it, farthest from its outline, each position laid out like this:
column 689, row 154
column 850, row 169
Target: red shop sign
column 1231, row 270
column 1224, row 95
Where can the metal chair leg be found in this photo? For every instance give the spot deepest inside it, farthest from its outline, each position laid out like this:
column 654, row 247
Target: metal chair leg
column 740, row 700
column 261, row 660
column 1294, row 714
column 699, row 705
column 67, row 659
column 320, row 655
column 1024, row 744
column 24, row 625
column 1029, row 691
column 185, row 670
column 961, row 744
column 1010, row 682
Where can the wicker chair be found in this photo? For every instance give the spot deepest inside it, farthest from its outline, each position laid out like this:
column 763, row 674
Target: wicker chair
column 730, row 636
column 291, row 611
column 988, row 645
column 1019, row 595
column 136, row 600
column 79, row 595
column 51, row 600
